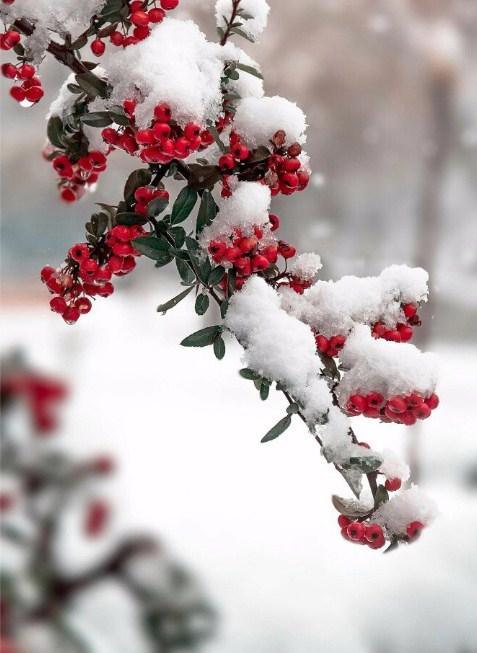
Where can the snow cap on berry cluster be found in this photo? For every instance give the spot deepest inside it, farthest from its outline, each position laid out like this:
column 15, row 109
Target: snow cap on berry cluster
column 60, row 16
column 393, row 466
column 333, row 307
column 176, row 65
column 258, row 119
column 404, row 508
column 278, row 346
column 391, row 368
column 247, row 207
column 253, row 15
column 338, row 446
column 306, row 266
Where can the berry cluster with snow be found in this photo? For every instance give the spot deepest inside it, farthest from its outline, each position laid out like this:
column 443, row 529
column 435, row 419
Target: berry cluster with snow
column 196, row 111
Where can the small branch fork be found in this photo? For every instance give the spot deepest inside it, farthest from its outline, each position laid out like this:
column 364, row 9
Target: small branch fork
column 233, row 16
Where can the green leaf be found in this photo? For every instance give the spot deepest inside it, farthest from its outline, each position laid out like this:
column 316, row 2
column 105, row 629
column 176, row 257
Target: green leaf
column 223, row 308
column 201, row 304
column 156, row 206
column 213, row 130
column 152, row 247
column 96, row 119
column 183, row 205
column 249, row 374
column 365, row 464
column 207, row 211
column 219, row 348
column 243, row 34
column 293, row 408
column 264, row 390
column 163, row 308
column 279, row 428
column 92, row 85
column 139, row 177
column 186, row 274
column 249, row 69
column 203, row 337
column 349, row 507
column 215, row 276
column 55, row 131
column 74, row 88
column 129, row 218
column 120, row 118
column 380, row 497
column 179, row 235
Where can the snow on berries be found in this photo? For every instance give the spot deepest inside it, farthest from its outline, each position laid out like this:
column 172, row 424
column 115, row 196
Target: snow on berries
column 406, row 513
column 386, row 380
column 88, row 270
column 257, row 120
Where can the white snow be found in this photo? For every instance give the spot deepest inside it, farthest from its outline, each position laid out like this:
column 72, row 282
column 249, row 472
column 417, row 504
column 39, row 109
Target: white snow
column 258, row 119
column 246, row 85
column 333, row 307
column 393, row 466
column 258, row 11
column 247, row 207
column 404, row 508
column 278, row 346
column 306, row 266
column 376, row 365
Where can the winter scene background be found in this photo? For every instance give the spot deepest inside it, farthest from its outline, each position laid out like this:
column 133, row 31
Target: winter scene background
column 389, row 88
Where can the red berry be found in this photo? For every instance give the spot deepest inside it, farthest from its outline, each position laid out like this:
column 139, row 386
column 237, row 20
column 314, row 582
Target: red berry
column 396, row 405
column 68, row 194
column 414, row 528
column 377, row 543
column 98, row 47
column 343, row 521
column 379, row 330
column 232, row 253
column 103, row 273
column 26, row 71
column 98, row 160
column 58, row 305
column 106, row 290
column 392, row 484
column 46, row 272
column 303, row 179
column 294, row 150
column 128, row 264
column 227, row 162
column 322, row 343
column 129, row 106
column 274, row 221
column 289, row 179
column 286, row 250
column 408, row 418
column 414, row 400
column 422, row 411
column 116, row 38
column 373, row 532
column 11, row 38
column 357, row 403
column 121, row 232
column 17, row 93
column 156, row 15
column 161, row 130
column 182, row 147
column 83, row 304
column 192, row 130
column 162, row 112
column 141, row 32
column 355, row 531
column 243, row 265
column 169, row 4
column 110, row 135
column 432, row 401
column 79, row 252
column 140, row 19
column 34, row 94
column 409, row 310
column 96, row 518
column 88, row 269
column 217, row 248
column 291, row 165
column 9, row 70
column 405, row 332
column 240, row 152
column 375, row 399
column 6, row 503
column 71, row 315
column 259, row 263
column 337, row 342
column 136, row 5
column 115, row 264
column 143, row 194
column 102, row 465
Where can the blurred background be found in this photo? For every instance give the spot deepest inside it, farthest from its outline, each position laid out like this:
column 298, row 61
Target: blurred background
column 390, row 91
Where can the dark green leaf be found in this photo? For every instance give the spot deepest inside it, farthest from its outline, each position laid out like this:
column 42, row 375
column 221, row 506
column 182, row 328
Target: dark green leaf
column 264, row 391
column 92, row 85
column 183, row 205
column 163, row 308
column 203, row 176
column 55, row 131
column 96, row 119
column 120, row 118
column 74, row 88
column 216, row 275
column 201, row 304
column 349, row 507
column 365, row 464
column 152, row 247
column 293, row 408
column 223, row 308
column 129, row 218
column 243, row 34
column 207, row 211
column 380, row 497
column 203, row 337
column 156, row 206
column 140, row 177
column 249, row 69
column 279, row 428
column 179, row 235
column 186, row 274
column 219, row 348
column 213, row 130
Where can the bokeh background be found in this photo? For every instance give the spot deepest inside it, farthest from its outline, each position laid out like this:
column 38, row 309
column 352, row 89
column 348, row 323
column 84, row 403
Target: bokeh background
column 390, row 91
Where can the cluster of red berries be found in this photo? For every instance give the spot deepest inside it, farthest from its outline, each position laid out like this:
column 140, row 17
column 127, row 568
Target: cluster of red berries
column 401, row 409
column 145, row 194
column 402, row 332
column 41, row 395
column 372, row 534
column 284, row 171
column 88, row 271
column 250, row 254
column 78, row 175
column 142, row 18
column 161, row 142
column 96, row 517
column 29, row 90
column 329, row 346
column 9, row 39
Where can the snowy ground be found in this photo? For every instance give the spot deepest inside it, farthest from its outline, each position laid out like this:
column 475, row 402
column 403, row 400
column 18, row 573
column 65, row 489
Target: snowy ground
column 255, row 521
